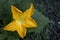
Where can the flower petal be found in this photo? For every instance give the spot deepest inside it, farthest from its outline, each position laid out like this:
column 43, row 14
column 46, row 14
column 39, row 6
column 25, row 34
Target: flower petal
column 21, row 31
column 11, row 26
column 29, row 12
column 16, row 12
column 30, row 23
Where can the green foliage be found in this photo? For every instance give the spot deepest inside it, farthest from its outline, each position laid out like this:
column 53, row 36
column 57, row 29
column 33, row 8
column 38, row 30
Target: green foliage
column 41, row 22
column 6, row 17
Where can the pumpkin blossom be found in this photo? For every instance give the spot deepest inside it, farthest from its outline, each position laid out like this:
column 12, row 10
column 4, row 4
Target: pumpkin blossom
column 22, row 20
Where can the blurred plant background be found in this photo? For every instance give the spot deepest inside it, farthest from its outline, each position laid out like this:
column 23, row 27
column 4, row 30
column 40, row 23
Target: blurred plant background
column 47, row 15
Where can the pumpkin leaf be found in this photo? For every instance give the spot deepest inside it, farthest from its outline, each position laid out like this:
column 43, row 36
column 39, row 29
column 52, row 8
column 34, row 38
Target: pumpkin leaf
column 41, row 20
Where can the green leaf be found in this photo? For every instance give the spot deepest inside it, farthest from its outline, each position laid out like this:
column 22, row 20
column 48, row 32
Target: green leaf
column 24, row 4
column 3, row 34
column 12, row 38
column 41, row 20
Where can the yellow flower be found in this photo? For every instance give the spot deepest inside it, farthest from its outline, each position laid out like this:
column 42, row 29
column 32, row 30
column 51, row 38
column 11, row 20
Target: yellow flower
column 22, row 20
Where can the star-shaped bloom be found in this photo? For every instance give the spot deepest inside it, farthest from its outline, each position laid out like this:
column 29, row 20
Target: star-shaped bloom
column 22, row 20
